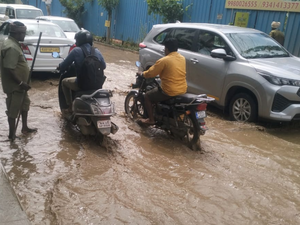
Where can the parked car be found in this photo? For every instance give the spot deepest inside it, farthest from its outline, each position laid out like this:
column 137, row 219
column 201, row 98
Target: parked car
column 68, row 25
column 22, row 11
column 2, row 13
column 248, row 73
column 53, row 40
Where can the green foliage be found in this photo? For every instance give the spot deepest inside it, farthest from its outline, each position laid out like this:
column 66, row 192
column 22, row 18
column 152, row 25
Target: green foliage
column 7, row 1
column 74, row 9
column 169, row 10
column 108, row 5
column 143, row 32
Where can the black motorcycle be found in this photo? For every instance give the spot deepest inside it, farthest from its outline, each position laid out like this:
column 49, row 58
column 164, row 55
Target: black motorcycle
column 92, row 109
column 182, row 116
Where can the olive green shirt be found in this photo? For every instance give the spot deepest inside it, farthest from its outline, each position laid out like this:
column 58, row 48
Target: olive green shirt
column 12, row 57
column 278, row 36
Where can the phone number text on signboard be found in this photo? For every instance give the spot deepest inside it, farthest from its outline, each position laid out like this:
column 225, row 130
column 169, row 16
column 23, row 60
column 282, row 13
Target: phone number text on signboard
column 263, row 5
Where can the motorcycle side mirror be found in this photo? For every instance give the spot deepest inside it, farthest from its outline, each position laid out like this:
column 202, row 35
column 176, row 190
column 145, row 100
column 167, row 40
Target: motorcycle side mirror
column 137, row 63
column 55, row 54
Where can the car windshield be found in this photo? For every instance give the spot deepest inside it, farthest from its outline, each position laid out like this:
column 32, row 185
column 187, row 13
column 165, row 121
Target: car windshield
column 28, row 13
column 67, row 26
column 2, row 10
column 256, row 45
column 47, row 30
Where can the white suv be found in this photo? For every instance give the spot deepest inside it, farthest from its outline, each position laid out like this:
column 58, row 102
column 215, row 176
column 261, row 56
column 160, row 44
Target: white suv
column 20, row 11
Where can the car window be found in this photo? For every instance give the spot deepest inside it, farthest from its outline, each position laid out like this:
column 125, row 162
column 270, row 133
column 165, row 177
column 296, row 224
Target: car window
column 256, row 45
column 10, row 13
column 184, row 36
column 208, row 41
column 160, row 38
column 47, row 30
column 28, row 13
column 2, row 10
column 4, row 29
column 67, row 26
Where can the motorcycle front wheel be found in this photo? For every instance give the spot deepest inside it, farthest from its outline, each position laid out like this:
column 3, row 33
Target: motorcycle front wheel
column 133, row 107
column 192, row 132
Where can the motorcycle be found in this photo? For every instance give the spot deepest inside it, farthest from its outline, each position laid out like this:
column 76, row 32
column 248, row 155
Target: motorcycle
column 92, row 109
column 182, row 116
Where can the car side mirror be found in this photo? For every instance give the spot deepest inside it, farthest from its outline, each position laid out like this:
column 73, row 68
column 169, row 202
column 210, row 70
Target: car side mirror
column 11, row 16
column 221, row 53
column 218, row 53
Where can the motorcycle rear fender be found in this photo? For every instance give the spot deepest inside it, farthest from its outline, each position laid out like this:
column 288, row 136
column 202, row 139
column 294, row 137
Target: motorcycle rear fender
column 105, row 130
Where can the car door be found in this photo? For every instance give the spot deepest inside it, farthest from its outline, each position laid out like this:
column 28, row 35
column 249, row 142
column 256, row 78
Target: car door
column 4, row 30
column 205, row 74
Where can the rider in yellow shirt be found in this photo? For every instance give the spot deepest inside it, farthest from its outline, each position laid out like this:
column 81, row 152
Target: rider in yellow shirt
column 172, row 72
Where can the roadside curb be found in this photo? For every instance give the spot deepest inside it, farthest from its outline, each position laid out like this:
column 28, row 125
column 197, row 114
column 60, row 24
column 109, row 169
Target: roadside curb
column 10, row 204
column 116, row 47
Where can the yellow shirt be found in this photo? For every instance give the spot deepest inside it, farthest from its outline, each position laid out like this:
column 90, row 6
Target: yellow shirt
column 172, row 72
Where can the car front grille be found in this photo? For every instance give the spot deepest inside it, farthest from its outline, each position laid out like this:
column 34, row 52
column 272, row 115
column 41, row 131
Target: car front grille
column 280, row 103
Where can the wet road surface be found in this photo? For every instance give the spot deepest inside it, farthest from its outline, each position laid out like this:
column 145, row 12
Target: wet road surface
column 245, row 174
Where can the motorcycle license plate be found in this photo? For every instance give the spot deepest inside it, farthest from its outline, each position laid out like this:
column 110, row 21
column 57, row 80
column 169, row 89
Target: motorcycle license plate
column 103, row 123
column 200, row 114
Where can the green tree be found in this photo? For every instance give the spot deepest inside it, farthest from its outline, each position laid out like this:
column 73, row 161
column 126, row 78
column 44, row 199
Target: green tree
column 74, row 9
column 169, row 10
column 109, row 6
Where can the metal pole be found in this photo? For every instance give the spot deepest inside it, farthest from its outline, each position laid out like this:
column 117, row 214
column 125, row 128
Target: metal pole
column 37, row 47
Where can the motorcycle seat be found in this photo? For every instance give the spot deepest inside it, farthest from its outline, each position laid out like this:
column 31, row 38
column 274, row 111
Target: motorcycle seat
column 101, row 93
column 185, row 98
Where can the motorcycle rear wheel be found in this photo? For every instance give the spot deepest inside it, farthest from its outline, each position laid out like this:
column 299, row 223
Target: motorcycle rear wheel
column 193, row 132
column 133, row 108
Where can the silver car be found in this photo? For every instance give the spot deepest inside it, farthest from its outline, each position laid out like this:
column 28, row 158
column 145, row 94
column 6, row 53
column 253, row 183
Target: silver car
column 249, row 74
column 53, row 40
column 68, row 25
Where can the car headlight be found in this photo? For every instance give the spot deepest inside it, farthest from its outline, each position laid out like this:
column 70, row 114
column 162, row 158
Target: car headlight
column 278, row 80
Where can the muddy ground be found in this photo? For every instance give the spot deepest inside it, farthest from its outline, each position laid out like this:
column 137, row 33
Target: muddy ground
column 245, row 174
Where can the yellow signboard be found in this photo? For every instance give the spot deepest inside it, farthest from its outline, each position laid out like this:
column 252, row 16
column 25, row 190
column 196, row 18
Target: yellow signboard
column 271, row 5
column 107, row 23
column 241, row 19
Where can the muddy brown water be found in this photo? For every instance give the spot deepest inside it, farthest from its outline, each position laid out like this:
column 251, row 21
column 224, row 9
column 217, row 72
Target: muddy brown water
column 246, row 173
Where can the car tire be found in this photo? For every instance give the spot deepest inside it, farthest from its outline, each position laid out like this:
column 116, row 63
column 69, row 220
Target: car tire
column 243, row 108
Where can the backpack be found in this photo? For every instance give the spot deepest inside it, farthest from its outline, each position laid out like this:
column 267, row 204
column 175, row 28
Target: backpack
column 90, row 76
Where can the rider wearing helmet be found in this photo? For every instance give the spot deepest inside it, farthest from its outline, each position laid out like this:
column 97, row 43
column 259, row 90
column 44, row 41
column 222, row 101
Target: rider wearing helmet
column 84, row 39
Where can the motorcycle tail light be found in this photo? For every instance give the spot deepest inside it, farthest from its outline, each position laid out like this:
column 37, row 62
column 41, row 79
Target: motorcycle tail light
column 201, row 107
column 72, row 47
column 25, row 49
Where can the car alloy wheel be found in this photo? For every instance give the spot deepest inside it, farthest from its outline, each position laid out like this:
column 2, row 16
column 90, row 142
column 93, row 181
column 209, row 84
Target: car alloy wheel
column 243, row 108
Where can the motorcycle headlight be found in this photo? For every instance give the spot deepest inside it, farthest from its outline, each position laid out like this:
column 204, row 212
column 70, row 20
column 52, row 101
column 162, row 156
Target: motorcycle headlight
column 278, row 80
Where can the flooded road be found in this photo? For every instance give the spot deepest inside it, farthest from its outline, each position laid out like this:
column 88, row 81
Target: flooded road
column 246, row 173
